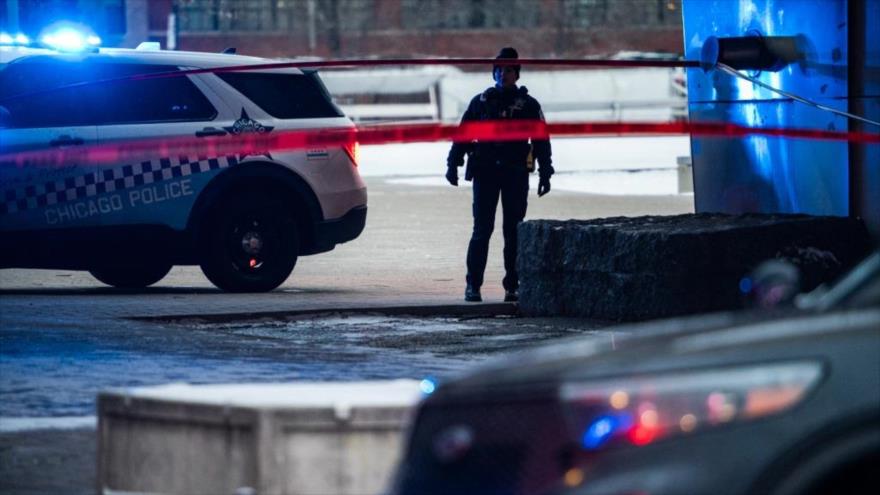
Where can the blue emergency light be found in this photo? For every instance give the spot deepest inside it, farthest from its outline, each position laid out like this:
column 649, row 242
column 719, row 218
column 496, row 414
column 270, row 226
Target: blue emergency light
column 69, row 36
column 70, row 40
column 18, row 39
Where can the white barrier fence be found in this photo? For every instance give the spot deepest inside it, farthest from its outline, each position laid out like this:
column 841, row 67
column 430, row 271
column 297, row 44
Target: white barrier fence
column 443, row 93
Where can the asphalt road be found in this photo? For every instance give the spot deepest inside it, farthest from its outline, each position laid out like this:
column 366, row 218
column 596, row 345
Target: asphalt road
column 65, row 336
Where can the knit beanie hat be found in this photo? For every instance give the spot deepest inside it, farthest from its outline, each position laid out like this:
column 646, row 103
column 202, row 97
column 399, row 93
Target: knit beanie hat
column 510, row 53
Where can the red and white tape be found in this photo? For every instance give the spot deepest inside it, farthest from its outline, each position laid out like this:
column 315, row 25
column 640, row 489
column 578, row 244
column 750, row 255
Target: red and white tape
column 503, row 130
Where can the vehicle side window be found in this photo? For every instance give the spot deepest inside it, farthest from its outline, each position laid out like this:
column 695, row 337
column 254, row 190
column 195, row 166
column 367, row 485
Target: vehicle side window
column 28, row 96
column 113, row 101
column 164, row 99
column 284, row 96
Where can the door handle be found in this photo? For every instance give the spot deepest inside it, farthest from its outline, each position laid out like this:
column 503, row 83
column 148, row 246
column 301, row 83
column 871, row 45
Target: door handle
column 210, row 131
column 66, row 141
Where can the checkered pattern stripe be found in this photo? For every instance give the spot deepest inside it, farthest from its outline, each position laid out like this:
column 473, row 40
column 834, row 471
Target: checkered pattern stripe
column 107, row 181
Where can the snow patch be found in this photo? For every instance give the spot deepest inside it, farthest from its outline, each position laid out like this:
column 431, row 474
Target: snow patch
column 12, row 425
column 341, row 396
column 608, row 165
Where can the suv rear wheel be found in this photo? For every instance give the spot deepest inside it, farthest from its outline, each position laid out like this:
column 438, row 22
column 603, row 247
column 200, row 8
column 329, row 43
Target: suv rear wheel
column 249, row 243
column 132, row 277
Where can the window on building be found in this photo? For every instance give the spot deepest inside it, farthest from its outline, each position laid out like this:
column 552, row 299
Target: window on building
column 619, row 13
column 584, row 13
column 288, row 16
column 284, row 96
column 469, row 14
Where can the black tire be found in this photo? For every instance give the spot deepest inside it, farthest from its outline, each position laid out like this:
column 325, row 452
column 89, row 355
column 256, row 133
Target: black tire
column 249, row 242
column 132, row 277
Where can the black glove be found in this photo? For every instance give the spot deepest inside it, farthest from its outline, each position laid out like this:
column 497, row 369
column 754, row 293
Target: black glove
column 452, row 175
column 543, row 185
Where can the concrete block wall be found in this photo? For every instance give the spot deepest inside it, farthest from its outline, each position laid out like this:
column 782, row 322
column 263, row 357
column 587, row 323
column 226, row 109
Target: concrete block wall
column 639, row 268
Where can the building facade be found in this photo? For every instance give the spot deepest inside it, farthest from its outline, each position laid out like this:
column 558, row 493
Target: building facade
column 408, row 28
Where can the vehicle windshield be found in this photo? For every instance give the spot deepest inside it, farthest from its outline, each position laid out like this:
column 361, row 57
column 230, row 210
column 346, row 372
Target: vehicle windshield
column 859, row 288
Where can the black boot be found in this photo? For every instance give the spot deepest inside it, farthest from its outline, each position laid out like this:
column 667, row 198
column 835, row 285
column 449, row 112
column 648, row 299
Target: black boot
column 472, row 294
column 511, row 296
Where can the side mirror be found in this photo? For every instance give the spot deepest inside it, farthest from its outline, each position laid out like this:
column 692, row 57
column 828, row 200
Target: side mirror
column 774, row 283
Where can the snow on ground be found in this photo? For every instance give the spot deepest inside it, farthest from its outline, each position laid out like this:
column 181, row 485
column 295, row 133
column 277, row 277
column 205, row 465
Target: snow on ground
column 608, row 165
column 14, row 424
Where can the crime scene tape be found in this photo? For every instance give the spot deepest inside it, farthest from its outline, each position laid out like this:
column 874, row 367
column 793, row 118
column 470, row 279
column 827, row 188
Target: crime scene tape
column 251, row 144
column 338, row 64
column 303, row 139
column 341, row 64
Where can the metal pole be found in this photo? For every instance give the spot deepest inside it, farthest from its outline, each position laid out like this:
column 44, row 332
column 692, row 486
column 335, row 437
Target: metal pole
column 171, row 34
column 313, row 43
column 856, row 39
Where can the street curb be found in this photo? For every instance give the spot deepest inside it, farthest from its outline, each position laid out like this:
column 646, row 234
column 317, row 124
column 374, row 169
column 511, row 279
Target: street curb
column 450, row 310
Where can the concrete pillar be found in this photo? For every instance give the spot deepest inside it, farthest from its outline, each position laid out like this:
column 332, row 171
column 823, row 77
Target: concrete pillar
column 270, row 439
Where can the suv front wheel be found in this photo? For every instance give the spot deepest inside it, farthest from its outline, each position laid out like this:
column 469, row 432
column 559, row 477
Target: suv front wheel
column 249, row 243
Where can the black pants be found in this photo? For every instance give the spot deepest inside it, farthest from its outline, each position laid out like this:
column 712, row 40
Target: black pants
column 512, row 184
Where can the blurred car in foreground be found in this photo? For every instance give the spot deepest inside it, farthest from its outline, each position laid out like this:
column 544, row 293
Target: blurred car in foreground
column 784, row 401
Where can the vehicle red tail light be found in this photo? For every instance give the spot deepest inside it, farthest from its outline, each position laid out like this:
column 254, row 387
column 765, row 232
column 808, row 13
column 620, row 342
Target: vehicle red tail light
column 353, row 150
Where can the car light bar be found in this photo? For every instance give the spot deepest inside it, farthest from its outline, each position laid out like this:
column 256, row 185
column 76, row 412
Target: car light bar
column 640, row 410
column 68, row 39
column 18, row 39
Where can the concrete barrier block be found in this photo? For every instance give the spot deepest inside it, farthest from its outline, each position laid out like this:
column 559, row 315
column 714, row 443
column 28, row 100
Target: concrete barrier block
column 303, row 438
column 624, row 268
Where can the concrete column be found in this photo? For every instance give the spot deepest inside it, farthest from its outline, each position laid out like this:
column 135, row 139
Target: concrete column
column 136, row 23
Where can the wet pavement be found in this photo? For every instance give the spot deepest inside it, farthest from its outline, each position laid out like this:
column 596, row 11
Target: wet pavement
column 64, row 336
column 54, row 368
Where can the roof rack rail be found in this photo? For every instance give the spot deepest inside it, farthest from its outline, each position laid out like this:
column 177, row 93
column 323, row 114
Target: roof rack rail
column 149, row 45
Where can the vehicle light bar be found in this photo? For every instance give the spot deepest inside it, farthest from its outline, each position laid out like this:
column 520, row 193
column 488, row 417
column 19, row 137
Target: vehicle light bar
column 640, row 410
column 18, row 39
column 70, row 39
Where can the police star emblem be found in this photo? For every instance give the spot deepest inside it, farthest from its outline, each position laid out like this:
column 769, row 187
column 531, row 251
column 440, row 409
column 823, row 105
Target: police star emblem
column 246, row 125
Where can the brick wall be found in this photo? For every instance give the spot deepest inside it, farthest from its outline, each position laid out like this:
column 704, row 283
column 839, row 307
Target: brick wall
column 535, row 43
column 387, row 28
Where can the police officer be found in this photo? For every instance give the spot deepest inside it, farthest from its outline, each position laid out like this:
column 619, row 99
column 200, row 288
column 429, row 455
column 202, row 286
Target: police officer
column 499, row 168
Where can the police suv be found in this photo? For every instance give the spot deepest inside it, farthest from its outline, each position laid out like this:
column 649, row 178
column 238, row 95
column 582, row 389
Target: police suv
column 244, row 218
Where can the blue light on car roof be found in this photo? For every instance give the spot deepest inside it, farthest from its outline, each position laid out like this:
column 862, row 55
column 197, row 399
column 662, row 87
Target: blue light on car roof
column 18, row 39
column 69, row 39
column 428, row 386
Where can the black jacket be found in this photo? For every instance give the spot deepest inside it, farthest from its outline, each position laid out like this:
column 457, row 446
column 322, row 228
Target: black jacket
column 500, row 104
